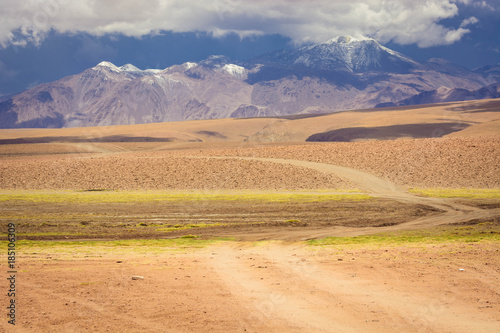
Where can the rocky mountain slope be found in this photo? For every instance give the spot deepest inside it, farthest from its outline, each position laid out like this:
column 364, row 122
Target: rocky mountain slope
column 341, row 74
column 444, row 94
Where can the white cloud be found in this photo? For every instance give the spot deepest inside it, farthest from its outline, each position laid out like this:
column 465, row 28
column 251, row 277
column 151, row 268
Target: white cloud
column 404, row 21
column 455, row 35
column 469, row 21
column 485, row 5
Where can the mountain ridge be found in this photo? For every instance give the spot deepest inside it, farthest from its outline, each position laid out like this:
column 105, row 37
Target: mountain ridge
column 341, row 74
column 342, row 53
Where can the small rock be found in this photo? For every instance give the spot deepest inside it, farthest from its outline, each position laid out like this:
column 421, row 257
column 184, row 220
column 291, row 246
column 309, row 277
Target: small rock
column 137, row 277
column 119, row 262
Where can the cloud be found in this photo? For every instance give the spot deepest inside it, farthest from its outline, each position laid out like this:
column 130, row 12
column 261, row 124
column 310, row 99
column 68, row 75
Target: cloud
column 484, row 4
column 469, row 21
column 404, row 21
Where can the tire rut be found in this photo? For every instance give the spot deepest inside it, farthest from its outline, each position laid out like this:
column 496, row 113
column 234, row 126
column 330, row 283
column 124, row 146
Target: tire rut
column 285, row 287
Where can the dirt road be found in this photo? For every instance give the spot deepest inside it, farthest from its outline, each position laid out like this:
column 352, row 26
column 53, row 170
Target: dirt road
column 270, row 287
column 287, row 289
column 452, row 212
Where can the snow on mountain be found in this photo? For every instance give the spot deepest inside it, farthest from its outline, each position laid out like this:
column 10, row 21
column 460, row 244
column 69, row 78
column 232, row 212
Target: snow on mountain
column 341, row 74
column 108, row 65
column 215, row 61
column 345, row 39
column 127, row 68
column 189, row 65
column 235, row 70
column 343, row 53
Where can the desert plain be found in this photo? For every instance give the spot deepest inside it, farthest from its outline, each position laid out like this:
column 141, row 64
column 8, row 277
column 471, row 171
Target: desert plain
column 258, row 225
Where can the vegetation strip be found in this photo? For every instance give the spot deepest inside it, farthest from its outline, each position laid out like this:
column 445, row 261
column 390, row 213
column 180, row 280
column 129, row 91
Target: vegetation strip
column 486, row 231
column 468, row 193
column 482, row 232
column 152, row 196
column 103, row 247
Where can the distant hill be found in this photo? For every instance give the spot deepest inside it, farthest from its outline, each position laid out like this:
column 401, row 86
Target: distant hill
column 470, row 118
column 444, row 94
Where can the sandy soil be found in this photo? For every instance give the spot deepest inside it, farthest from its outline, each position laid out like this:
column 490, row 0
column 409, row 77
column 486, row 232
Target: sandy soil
column 157, row 172
column 446, row 162
column 274, row 287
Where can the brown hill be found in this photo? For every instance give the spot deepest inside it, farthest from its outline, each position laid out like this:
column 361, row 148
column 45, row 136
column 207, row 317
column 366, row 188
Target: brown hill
column 449, row 119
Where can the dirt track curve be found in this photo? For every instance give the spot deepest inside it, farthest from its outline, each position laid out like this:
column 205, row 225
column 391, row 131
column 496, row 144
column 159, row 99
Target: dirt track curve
column 452, row 212
column 285, row 289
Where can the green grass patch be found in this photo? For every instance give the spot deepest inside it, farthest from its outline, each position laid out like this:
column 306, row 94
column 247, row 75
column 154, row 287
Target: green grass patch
column 467, row 193
column 487, row 231
column 155, row 196
column 47, row 234
column 103, row 248
column 188, row 226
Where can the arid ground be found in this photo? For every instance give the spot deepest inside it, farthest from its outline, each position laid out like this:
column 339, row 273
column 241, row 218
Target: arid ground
column 248, row 228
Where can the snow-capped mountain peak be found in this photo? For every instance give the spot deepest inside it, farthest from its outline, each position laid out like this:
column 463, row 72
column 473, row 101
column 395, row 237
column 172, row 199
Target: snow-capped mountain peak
column 346, row 39
column 108, row 65
column 341, row 74
column 129, row 68
column 189, row 65
column 235, row 70
column 343, row 53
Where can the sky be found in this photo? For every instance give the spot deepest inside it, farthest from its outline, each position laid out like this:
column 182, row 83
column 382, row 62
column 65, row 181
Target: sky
column 45, row 40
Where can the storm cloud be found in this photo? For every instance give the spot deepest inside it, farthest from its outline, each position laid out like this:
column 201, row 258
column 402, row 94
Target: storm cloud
column 403, row 22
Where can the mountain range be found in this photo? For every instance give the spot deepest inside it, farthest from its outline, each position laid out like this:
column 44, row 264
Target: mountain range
column 343, row 73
